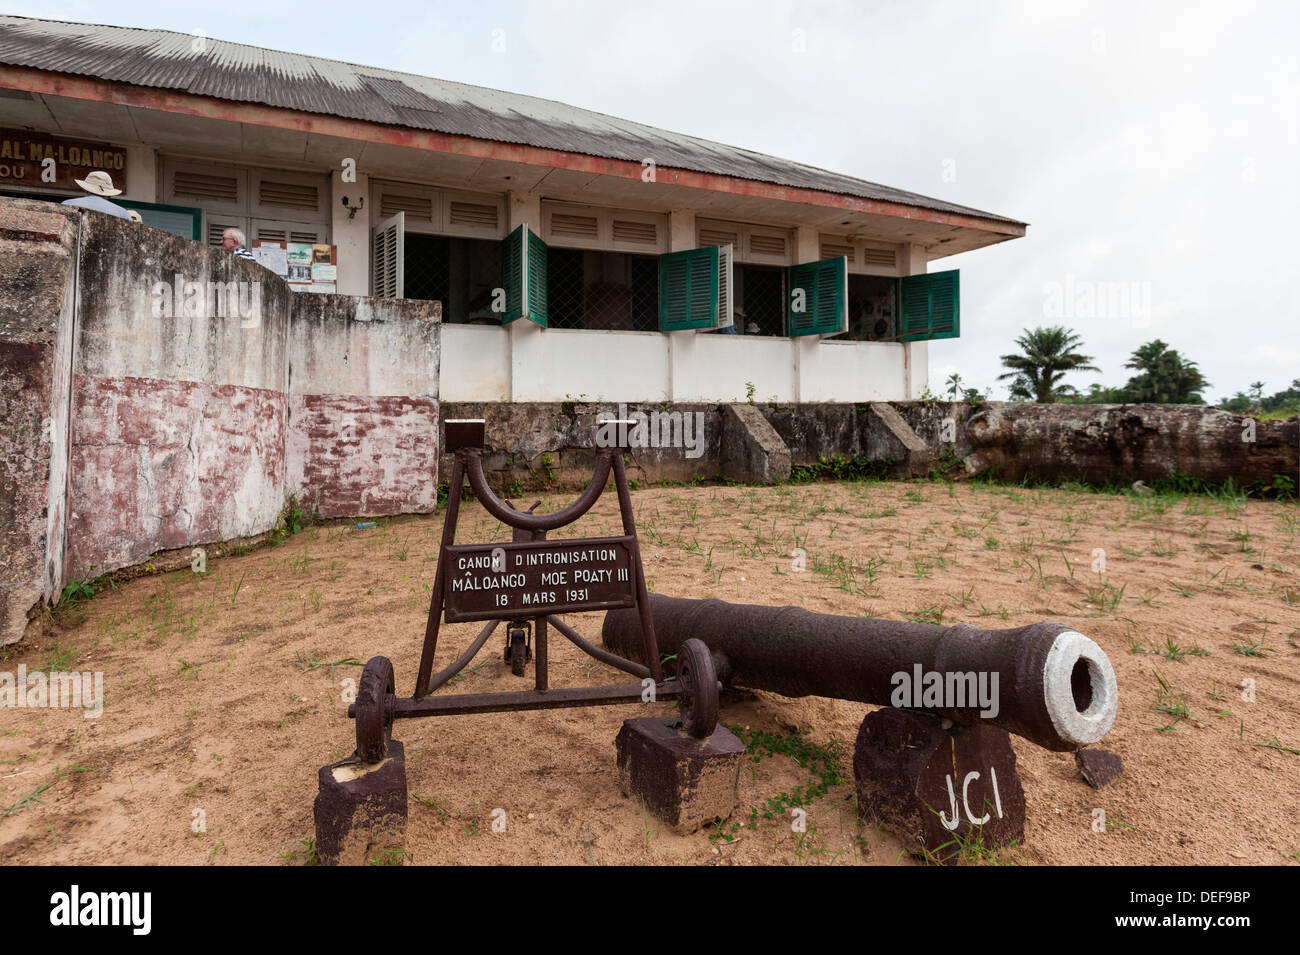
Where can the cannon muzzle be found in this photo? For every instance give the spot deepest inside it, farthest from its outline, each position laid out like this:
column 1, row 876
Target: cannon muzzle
column 1045, row 682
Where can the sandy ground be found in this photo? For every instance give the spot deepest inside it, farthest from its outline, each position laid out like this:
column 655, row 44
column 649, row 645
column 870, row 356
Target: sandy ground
column 221, row 697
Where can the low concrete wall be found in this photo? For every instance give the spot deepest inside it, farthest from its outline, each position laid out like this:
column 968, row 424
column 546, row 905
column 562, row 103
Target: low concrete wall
column 37, row 281
column 363, row 407
column 179, row 401
column 541, row 445
column 1099, row 444
column 145, row 388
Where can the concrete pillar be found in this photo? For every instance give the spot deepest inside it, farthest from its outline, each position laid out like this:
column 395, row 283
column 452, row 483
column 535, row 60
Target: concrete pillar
column 523, row 208
column 807, row 248
column 528, row 371
column 681, row 236
column 681, row 230
column 351, row 234
column 916, row 355
column 141, row 174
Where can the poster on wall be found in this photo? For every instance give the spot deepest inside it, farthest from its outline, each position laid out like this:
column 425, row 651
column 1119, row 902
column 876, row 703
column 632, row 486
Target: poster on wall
column 310, row 268
column 272, row 255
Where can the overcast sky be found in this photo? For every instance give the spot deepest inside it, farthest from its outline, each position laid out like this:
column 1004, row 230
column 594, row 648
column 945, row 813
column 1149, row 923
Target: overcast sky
column 1153, row 148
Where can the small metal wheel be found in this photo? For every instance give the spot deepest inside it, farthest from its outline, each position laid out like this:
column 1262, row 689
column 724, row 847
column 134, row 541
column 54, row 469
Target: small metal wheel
column 519, row 652
column 374, row 709
column 698, row 705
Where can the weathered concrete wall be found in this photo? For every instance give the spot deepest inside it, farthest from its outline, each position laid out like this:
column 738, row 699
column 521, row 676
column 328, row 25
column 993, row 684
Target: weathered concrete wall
column 1120, row 443
column 546, row 444
column 179, row 396
column 37, row 277
column 363, row 409
column 940, row 424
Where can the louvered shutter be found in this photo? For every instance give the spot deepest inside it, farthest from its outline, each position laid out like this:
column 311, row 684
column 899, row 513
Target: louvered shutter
column 536, row 287
column 512, row 274
column 819, row 295
column 726, row 286
column 945, row 309
column 689, row 289
column 930, row 307
column 387, row 257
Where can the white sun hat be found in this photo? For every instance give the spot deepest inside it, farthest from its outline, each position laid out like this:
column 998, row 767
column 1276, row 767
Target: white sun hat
column 100, row 183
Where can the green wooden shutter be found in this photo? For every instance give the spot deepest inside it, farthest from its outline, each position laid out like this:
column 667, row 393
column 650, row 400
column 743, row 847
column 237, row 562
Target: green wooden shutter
column 688, row 289
column 945, row 309
column 819, row 295
column 930, row 307
column 512, row 275
column 536, row 268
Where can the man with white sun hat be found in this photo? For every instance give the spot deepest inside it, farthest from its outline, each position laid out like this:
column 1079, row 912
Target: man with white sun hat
column 99, row 184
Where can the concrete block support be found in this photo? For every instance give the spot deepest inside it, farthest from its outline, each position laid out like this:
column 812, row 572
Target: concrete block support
column 685, row 782
column 751, row 448
column 889, row 436
column 938, row 788
column 360, row 810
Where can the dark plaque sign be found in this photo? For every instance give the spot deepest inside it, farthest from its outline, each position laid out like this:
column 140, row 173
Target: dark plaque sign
column 504, row 581
column 23, row 154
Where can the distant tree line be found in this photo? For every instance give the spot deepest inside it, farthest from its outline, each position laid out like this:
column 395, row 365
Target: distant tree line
column 1161, row 375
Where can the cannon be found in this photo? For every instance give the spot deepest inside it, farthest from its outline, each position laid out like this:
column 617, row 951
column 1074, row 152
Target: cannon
column 1044, row 682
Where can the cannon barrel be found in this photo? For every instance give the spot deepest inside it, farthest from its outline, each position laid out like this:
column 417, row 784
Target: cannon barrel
column 1048, row 683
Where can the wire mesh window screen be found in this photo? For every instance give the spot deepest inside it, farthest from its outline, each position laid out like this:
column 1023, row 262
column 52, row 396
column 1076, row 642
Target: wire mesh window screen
column 612, row 291
column 463, row 274
column 428, row 267
column 760, row 300
column 873, row 308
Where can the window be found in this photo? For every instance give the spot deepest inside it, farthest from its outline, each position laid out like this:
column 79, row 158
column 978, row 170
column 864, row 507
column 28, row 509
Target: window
column 612, row 291
column 759, row 288
column 440, row 245
column 603, row 266
column 873, row 308
column 911, row 309
column 461, row 273
column 760, row 300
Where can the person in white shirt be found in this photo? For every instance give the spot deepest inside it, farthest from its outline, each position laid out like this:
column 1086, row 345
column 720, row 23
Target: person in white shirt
column 99, row 184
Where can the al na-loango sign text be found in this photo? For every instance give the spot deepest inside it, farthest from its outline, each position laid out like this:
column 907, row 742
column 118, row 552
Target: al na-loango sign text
column 36, row 159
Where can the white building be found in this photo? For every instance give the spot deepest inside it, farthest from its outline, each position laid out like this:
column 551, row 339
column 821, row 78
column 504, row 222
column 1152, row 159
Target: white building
column 575, row 254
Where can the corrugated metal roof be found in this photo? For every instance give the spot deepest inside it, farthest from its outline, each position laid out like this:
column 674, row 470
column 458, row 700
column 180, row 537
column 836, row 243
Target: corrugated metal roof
column 232, row 71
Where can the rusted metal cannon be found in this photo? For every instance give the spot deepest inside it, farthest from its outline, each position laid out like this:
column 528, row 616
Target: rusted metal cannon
column 1044, row 682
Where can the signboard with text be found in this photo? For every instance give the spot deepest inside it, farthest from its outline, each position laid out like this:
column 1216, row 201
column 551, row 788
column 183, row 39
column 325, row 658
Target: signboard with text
column 504, row 581
column 36, row 159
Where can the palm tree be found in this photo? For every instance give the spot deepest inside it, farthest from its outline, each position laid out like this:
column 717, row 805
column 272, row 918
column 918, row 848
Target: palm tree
column 1166, row 376
column 1048, row 354
column 954, row 383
